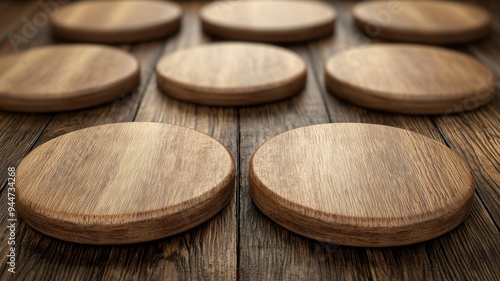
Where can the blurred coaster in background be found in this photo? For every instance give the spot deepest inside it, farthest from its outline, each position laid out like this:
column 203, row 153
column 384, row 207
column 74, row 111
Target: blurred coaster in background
column 116, row 21
column 231, row 74
column 65, row 77
column 272, row 21
column 433, row 22
column 361, row 184
column 124, row 183
column 409, row 79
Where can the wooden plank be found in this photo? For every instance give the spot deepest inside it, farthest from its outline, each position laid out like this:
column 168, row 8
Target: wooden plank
column 470, row 252
column 387, row 263
column 208, row 251
column 475, row 135
column 119, row 111
column 19, row 131
column 467, row 253
column 268, row 251
column 383, row 261
column 53, row 265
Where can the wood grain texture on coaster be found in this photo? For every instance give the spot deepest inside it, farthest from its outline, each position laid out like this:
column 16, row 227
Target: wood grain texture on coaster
column 230, row 74
column 65, row 77
column 361, row 184
column 124, row 183
column 409, row 79
column 116, row 21
column 274, row 21
column 434, row 22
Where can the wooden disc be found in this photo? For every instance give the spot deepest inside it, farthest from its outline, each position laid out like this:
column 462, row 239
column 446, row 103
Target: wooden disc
column 409, row 79
column 434, row 22
column 268, row 21
column 124, row 183
column 361, row 184
column 65, row 77
column 229, row 74
column 116, row 21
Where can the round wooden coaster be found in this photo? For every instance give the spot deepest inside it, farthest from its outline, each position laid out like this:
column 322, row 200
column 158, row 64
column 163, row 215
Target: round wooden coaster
column 409, row 79
column 65, row 77
column 229, row 74
column 124, row 183
column 435, row 22
column 361, row 185
column 268, row 21
column 116, row 21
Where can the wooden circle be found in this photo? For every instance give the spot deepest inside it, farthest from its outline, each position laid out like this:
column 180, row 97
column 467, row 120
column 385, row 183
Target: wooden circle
column 116, row 21
column 124, row 183
column 268, row 21
column 65, row 77
column 435, row 22
column 409, row 79
column 361, row 184
column 229, row 74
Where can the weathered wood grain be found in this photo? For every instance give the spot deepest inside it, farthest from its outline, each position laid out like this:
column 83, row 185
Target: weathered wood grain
column 18, row 131
column 475, row 135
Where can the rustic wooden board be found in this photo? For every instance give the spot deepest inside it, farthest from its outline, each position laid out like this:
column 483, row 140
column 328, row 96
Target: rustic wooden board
column 231, row 74
column 268, row 21
column 155, row 181
column 409, row 79
column 435, row 22
column 116, row 21
column 47, row 79
column 361, row 184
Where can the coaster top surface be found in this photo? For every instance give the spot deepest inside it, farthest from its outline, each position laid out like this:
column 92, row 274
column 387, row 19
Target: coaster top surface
column 355, row 184
column 409, row 78
column 234, row 73
column 261, row 20
column 438, row 22
column 122, row 176
column 118, row 20
column 64, row 77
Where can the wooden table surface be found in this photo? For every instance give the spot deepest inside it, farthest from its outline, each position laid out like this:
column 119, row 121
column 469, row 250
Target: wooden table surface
column 240, row 242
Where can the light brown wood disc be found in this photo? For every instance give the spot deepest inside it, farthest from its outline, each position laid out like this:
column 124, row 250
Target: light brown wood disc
column 65, row 77
column 116, row 21
column 228, row 74
column 410, row 79
column 124, row 183
column 434, row 22
column 361, row 184
column 268, row 21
